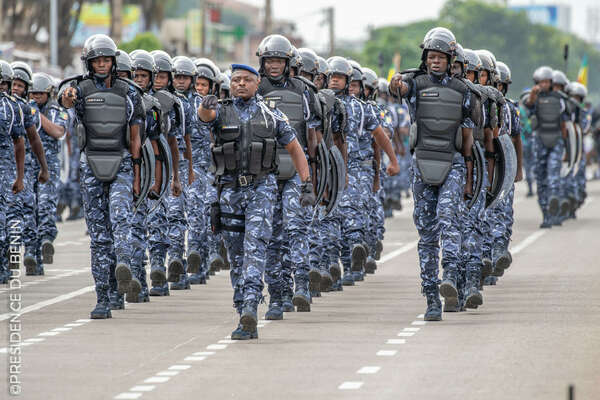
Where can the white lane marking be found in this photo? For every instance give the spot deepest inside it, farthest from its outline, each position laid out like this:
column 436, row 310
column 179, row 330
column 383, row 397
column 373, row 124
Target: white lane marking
column 179, row 367
column 226, row 341
column 368, row 370
column 396, row 341
column 421, row 316
column 194, row 358
column 418, row 322
column 49, row 302
column 528, row 241
column 386, row 353
column 401, row 250
column 260, row 325
column 142, row 388
column 49, row 333
column 216, row 347
column 406, row 334
column 350, row 385
column 84, row 320
column 411, row 329
column 74, row 325
column 204, row 353
column 262, row 321
column 35, row 340
column 61, row 329
column 26, row 344
column 158, row 379
column 127, row 396
column 168, row 373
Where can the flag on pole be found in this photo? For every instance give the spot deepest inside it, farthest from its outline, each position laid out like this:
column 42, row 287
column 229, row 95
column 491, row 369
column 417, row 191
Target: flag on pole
column 391, row 73
column 582, row 76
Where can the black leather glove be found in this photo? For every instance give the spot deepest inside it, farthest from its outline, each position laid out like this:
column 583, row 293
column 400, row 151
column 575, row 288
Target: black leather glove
column 307, row 197
column 210, row 102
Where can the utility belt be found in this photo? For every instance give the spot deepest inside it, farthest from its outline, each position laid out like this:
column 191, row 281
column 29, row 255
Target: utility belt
column 240, row 181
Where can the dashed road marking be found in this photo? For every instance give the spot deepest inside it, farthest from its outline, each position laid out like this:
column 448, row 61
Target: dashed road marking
column 142, row 388
column 350, row 385
column 396, row 341
column 386, row 353
column 128, row 396
column 406, row 334
column 368, row 370
column 179, row 367
column 216, row 347
column 157, row 379
column 418, row 323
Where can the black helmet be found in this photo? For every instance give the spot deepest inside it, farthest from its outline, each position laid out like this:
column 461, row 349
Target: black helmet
column 505, row 75
column 310, row 64
column 141, row 59
column 205, row 63
column 440, row 39
column 322, row 66
column 472, row 61
column 163, row 63
column 7, row 73
column 339, row 65
column 296, row 60
column 357, row 74
column 224, row 81
column 559, row 78
column 124, row 62
column 275, row 46
column 370, row 79
column 460, row 54
column 487, row 64
column 542, row 73
column 42, row 83
column 23, row 72
column 95, row 46
column 183, row 65
column 382, row 85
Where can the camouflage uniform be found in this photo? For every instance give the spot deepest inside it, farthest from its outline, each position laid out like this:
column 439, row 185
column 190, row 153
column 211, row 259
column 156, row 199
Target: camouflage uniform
column 12, row 129
column 108, row 206
column 437, row 208
column 249, row 209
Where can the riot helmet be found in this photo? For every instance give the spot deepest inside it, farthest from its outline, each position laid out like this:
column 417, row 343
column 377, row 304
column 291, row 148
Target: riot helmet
column 225, row 85
column 310, row 64
column 204, row 66
column 275, row 46
column 441, row 40
column 22, row 71
column 42, row 83
column 559, row 78
column 370, row 81
column 95, row 46
column 163, row 63
column 183, row 65
column 124, row 63
column 141, row 60
column 341, row 66
column 504, row 76
column 542, row 73
column 7, row 73
column 487, row 64
column 321, row 76
column 578, row 89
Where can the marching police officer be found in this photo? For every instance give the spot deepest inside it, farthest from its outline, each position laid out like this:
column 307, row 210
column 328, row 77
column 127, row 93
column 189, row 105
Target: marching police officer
column 246, row 135
column 110, row 114
column 442, row 163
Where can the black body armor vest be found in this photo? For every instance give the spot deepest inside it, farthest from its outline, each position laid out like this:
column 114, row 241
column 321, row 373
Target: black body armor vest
column 244, row 148
column 548, row 111
column 439, row 115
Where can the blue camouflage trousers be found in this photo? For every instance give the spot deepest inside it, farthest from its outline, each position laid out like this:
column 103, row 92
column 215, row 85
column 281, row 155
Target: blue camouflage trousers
column 529, row 161
column 213, row 239
column 177, row 208
column 288, row 251
column 547, row 171
column 6, row 168
column 325, row 242
column 47, row 200
column 158, row 233
column 436, row 215
column 354, row 207
column 198, row 217
column 108, row 210
column 250, row 209
column 474, row 230
column 139, row 240
column 23, row 207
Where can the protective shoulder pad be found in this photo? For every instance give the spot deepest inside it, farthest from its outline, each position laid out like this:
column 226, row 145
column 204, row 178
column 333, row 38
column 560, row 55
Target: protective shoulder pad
column 131, row 83
column 166, row 100
column 472, row 87
column 307, row 83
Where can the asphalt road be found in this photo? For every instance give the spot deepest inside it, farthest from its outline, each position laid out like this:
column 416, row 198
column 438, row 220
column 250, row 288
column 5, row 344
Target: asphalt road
column 537, row 332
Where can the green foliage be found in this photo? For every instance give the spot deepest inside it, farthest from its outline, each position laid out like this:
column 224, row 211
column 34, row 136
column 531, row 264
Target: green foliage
column 146, row 41
column 508, row 34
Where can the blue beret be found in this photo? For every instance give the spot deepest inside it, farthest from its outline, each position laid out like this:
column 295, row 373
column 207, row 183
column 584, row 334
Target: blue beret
column 244, row 67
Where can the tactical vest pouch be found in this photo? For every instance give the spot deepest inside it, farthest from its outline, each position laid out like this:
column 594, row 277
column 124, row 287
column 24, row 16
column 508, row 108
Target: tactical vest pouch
column 458, row 140
column 104, row 165
column 215, row 217
column 268, row 159
column 229, row 156
column 549, row 138
column 285, row 166
column 218, row 160
column 229, row 133
column 81, row 136
column 434, row 166
column 255, row 161
column 413, row 136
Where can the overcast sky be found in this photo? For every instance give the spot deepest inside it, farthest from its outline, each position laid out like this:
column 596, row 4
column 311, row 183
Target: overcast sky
column 353, row 17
